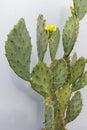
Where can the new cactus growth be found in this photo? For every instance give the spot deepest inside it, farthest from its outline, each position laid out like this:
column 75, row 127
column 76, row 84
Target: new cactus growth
column 57, row 81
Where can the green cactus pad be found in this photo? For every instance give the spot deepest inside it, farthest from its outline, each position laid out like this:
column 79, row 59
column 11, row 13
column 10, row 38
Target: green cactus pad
column 80, row 8
column 77, row 69
column 53, row 43
column 49, row 113
column 73, row 59
column 60, row 73
column 74, row 107
column 63, row 97
column 70, row 33
column 82, row 81
column 18, row 50
column 49, row 121
column 58, row 123
column 41, row 79
column 42, row 37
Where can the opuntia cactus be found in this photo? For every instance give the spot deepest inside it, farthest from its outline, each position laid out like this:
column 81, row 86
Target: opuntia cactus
column 58, row 80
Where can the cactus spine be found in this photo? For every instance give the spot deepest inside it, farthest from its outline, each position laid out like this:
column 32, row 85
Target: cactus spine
column 57, row 81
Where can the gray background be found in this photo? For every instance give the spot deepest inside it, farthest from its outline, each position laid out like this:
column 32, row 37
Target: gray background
column 20, row 107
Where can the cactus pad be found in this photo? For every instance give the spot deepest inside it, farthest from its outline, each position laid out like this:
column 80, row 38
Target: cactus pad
column 73, row 59
column 49, row 118
column 60, row 72
column 63, row 97
column 77, row 69
column 18, row 50
column 53, row 43
column 70, row 33
column 80, row 8
column 74, row 107
column 82, row 81
column 41, row 78
column 42, row 37
column 58, row 123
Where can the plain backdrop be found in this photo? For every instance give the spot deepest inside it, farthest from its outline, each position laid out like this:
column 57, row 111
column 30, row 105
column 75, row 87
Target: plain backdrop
column 20, row 107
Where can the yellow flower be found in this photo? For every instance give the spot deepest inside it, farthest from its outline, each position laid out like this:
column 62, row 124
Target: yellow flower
column 71, row 8
column 50, row 28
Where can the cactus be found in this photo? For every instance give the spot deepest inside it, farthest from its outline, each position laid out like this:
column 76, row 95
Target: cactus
column 82, row 81
column 49, row 115
column 60, row 73
column 41, row 79
column 70, row 33
column 17, row 44
column 65, row 91
column 58, row 80
column 53, row 43
column 73, row 59
column 77, row 69
column 74, row 107
column 80, row 8
column 42, row 37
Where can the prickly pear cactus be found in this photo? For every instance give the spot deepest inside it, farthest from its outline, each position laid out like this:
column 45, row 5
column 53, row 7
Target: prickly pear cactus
column 61, row 79
column 18, row 43
column 42, row 37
